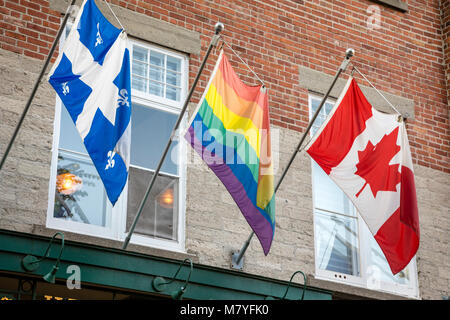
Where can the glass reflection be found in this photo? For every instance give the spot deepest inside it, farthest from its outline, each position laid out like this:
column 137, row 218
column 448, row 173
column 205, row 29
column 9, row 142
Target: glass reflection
column 140, row 53
column 160, row 214
column 150, row 131
column 173, row 64
column 79, row 195
column 337, row 243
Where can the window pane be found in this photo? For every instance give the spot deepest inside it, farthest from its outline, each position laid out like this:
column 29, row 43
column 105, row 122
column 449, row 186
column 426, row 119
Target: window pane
column 314, row 104
column 156, row 74
column 173, row 93
column 140, row 69
column 139, row 83
column 159, row 217
column 150, row 132
column 337, row 243
column 162, row 76
column 173, row 64
column 140, row 54
column 326, row 109
column 157, row 59
column 69, row 138
column 80, row 195
column 156, row 88
column 327, row 195
column 173, row 78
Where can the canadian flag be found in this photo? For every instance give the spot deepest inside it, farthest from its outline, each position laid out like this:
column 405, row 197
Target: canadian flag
column 366, row 153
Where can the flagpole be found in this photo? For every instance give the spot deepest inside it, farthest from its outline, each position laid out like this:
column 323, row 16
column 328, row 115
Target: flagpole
column 36, row 85
column 237, row 256
column 218, row 28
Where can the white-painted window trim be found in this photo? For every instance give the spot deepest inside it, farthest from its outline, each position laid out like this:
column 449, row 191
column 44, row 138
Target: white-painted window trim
column 117, row 226
column 167, row 104
column 367, row 278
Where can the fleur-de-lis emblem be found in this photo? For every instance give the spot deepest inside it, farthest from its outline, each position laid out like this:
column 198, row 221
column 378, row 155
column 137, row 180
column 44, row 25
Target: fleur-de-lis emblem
column 65, row 88
column 99, row 39
column 110, row 160
column 123, row 98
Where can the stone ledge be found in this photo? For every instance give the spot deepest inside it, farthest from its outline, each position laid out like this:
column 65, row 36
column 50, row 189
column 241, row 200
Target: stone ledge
column 144, row 27
column 319, row 82
column 396, row 4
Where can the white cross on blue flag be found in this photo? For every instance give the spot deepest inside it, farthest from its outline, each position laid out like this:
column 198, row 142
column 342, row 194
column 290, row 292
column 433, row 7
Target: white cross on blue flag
column 92, row 78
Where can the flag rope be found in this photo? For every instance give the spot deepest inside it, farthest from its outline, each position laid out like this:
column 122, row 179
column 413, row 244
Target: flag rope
column 107, row 3
column 390, row 104
column 245, row 63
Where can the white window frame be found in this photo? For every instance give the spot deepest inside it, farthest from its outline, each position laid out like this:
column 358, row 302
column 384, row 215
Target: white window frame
column 161, row 102
column 117, row 229
column 364, row 280
column 170, row 106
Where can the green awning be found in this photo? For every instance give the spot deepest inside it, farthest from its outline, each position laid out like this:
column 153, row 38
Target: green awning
column 125, row 270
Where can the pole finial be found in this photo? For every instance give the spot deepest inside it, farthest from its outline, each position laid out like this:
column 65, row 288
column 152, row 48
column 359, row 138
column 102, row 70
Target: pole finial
column 219, row 27
column 349, row 53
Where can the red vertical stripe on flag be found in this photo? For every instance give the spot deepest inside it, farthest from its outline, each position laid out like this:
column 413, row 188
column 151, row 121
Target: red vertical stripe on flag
column 409, row 213
column 399, row 236
column 348, row 122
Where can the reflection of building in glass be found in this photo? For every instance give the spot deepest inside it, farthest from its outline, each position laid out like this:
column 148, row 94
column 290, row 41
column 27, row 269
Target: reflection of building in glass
column 68, row 183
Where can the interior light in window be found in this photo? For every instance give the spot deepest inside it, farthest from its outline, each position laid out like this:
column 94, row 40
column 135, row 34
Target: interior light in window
column 67, row 183
column 165, row 199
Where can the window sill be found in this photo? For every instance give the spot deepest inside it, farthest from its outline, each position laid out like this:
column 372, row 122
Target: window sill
column 354, row 290
column 318, row 82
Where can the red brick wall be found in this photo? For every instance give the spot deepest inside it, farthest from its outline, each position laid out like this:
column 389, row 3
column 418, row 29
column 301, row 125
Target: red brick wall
column 403, row 57
column 445, row 14
column 27, row 27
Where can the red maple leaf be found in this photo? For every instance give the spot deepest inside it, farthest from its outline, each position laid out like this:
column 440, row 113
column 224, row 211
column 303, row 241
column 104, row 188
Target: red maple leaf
column 374, row 165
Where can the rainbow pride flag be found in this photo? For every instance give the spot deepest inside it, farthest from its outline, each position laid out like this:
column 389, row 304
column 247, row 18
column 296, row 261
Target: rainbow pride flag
column 230, row 131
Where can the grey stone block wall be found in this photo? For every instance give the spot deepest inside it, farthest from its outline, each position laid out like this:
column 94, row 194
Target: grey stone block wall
column 433, row 259
column 25, row 175
column 214, row 225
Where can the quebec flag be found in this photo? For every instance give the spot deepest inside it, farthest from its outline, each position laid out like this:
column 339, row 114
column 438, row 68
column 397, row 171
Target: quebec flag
column 92, row 78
